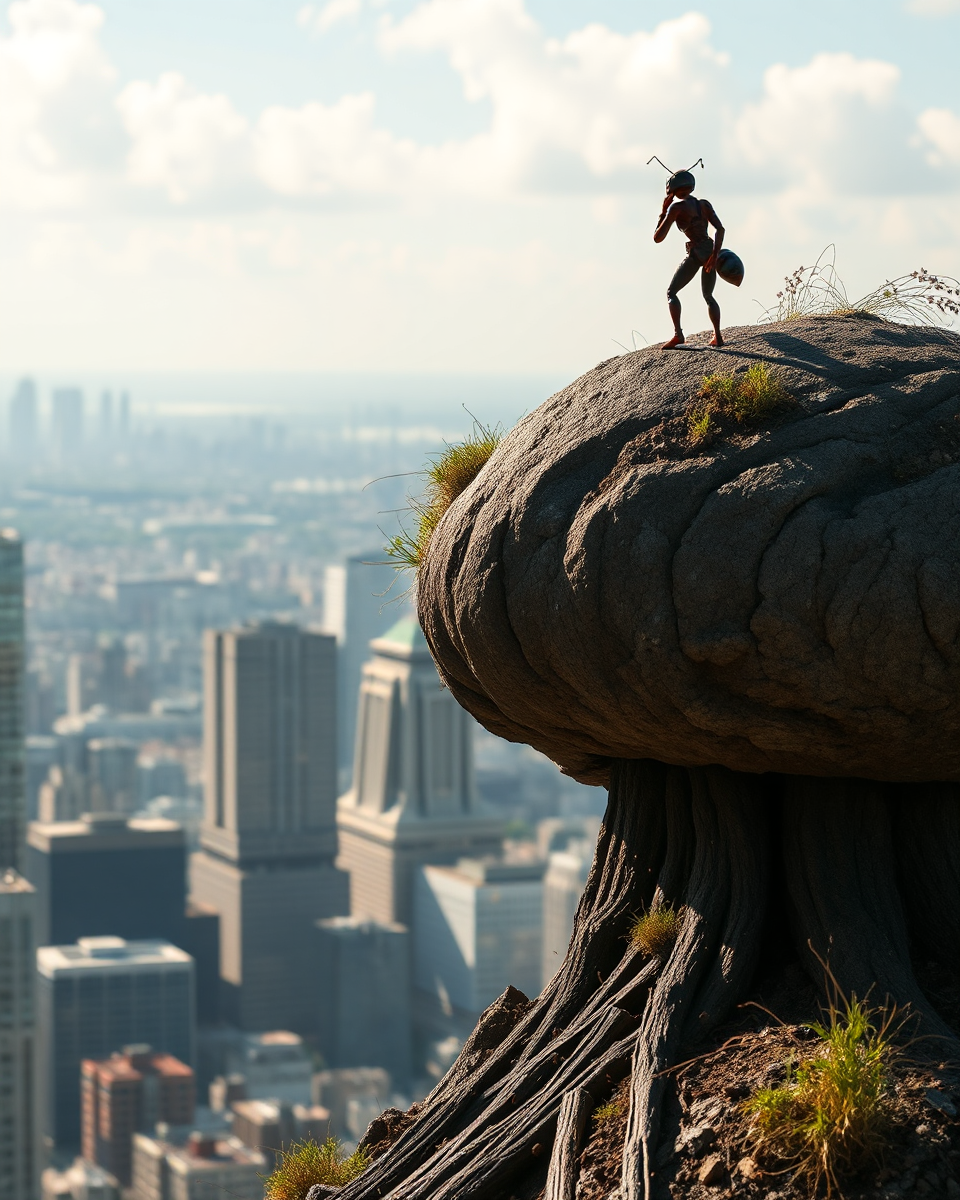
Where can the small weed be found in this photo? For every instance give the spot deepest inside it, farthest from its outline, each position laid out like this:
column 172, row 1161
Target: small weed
column 310, row 1162
column 755, row 394
column 449, row 474
column 609, row 1111
column 830, row 1117
column 656, row 930
column 915, row 299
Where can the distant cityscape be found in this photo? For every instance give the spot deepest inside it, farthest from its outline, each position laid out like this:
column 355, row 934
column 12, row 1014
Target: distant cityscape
column 259, row 873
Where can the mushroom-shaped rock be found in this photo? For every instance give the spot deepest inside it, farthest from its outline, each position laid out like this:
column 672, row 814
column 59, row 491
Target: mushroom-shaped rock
column 782, row 599
column 753, row 640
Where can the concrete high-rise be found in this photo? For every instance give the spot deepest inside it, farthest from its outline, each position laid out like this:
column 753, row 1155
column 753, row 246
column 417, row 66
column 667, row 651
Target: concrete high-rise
column 12, row 703
column 19, row 1157
column 23, row 418
column 358, row 605
column 96, row 997
column 414, row 798
column 106, row 875
column 363, row 996
column 477, row 927
column 268, row 839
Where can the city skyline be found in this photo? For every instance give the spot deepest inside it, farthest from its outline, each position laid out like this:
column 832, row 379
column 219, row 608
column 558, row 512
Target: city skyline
column 446, row 184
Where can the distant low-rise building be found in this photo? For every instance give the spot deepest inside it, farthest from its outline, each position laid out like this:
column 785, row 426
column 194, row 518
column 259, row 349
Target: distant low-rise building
column 202, row 1167
column 274, row 1066
column 81, row 1181
column 128, row 1092
column 94, row 998
column 346, row 1093
column 270, row 1126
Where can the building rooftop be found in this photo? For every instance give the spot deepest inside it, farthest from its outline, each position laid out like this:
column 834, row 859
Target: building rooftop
column 135, row 1062
column 403, row 640
column 103, row 831
column 203, row 1153
column 10, row 882
column 106, row 953
column 359, row 924
column 482, row 871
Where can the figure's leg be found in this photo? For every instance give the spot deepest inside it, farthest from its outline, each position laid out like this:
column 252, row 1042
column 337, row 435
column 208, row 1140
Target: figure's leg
column 708, row 281
column 684, row 273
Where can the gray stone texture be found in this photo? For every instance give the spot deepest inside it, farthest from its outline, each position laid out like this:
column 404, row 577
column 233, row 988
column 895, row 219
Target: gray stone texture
column 784, row 599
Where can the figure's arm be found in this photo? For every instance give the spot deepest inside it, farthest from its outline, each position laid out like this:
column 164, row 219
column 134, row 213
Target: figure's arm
column 714, row 220
column 667, row 217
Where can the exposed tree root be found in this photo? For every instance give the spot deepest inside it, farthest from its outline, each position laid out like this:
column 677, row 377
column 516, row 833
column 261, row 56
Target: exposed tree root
column 706, row 841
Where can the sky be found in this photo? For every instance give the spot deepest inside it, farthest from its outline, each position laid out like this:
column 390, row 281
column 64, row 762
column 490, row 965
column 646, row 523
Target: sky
column 447, row 185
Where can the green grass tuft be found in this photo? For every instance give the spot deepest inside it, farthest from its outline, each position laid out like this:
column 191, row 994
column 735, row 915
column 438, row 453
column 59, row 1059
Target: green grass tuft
column 609, row 1111
column 449, row 474
column 746, row 398
column 830, row 1118
column 310, row 1162
column 656, row 930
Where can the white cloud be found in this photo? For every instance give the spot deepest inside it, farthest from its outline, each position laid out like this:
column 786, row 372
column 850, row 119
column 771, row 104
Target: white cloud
column 580, row 113
column 189, row 144
column 832, row 126
column 933, row 8
column 941, row 128
column 574, row 115
column 320, row 19
column 319, row 151
column 56, row 119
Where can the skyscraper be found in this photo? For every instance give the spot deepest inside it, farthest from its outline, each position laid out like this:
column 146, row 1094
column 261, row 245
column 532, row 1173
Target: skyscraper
column 19, row 1160
column 23, row 418
column 268, row 839
column 413, row 799
column 358, row 605
column 67, row 420
column 96, row 997
column 12, row 748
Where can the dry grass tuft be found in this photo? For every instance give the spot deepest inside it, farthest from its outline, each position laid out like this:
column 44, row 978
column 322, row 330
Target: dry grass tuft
column 830, row 1118
column 655, row 931
column 310, row 1162
column 745, row 398
column 449, row 474
column 915, row 299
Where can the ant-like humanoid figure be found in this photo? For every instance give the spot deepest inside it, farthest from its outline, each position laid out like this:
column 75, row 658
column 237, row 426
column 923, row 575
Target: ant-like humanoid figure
column 692, row 217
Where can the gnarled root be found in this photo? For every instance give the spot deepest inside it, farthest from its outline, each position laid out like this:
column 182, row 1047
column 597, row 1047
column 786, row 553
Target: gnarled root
column 708, row 841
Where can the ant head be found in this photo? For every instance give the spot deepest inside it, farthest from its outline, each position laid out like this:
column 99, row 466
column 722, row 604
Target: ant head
column 681, row 183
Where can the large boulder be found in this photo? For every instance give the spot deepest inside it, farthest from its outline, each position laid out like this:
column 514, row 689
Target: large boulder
column 784, row 599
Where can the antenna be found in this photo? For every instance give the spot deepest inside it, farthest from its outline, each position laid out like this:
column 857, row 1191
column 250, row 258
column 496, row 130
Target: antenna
column 699, row 162
column 661, row 162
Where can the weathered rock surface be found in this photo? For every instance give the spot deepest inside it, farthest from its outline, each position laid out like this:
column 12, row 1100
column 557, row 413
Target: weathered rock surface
column 787, row 599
